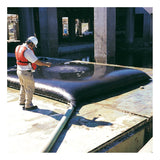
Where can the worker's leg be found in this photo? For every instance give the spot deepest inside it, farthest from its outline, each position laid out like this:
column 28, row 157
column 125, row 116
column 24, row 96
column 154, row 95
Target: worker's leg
column 29, row 89
column 22, row 91
column 28, row 83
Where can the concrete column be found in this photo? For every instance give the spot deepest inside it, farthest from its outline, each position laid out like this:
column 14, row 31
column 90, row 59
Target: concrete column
column 71, row 28
column 48, row 32
column 147, row 27
column 60, row 28
column 26, row 23
column 91, row 24
column 104, row 34
column 130, row 26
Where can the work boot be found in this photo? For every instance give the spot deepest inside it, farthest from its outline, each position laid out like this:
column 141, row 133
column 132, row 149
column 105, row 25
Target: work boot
column 30, row 108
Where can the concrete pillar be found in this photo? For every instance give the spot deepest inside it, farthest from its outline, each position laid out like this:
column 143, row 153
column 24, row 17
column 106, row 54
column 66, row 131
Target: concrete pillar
column 130, row 26
column 104, row 34
column 26, row 23
column 147, row 27
column 71, row 28
column 48, row 32
column 60, row 28
column 91, row 24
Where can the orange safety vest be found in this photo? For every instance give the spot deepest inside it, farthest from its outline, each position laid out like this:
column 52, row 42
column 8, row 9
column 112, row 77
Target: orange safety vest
column 21, row 60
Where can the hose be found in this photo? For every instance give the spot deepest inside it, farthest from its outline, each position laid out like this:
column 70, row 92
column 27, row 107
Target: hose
column 58, row 129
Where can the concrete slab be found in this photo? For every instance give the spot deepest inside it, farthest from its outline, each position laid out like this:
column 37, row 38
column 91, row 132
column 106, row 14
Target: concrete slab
column 114, row 124
column 30, row 131
column 93, row 126
column 138, row 101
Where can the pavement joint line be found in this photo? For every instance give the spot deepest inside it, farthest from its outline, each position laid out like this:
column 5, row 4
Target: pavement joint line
column 124, row 111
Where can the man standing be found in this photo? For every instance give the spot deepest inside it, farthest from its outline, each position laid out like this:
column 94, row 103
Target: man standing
column 26, row 64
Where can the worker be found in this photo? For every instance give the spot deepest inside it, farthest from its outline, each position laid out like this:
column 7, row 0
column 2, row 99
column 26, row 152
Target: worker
column 26, row 65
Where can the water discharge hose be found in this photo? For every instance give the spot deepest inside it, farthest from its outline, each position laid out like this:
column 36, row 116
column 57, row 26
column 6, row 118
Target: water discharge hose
column 58, row 129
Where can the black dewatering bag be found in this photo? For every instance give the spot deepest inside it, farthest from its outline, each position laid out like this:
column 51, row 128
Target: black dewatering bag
column 73, row 83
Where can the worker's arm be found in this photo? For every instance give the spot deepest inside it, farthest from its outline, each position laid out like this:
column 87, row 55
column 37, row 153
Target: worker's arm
column 40, row 63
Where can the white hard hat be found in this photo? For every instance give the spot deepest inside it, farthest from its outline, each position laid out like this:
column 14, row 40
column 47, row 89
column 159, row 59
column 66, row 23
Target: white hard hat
column 34, row 40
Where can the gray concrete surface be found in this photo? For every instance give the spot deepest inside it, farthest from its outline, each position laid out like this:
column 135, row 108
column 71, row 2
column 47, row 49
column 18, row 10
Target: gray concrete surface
column 114, row 124
column 29, row 131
